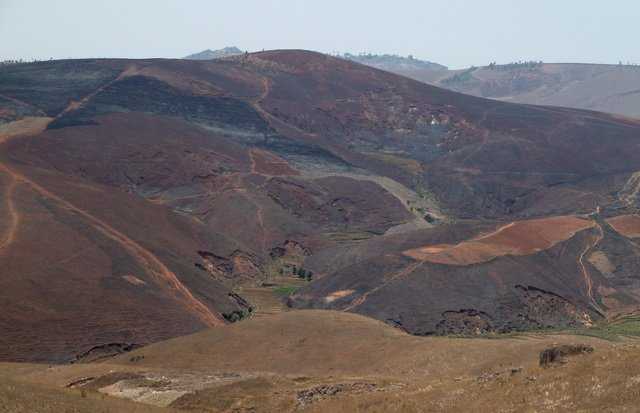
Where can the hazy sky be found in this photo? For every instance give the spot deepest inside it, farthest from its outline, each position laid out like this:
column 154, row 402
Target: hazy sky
column 456, row 33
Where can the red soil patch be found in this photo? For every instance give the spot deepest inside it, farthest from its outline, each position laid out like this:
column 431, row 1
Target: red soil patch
column 627, row 225
column 263, row 162
column 517, row 238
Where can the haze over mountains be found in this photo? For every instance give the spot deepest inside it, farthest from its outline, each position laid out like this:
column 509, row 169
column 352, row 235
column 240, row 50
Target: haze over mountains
column 147, row 199
column 215, row 54
column 599, row 87
column 394, row 63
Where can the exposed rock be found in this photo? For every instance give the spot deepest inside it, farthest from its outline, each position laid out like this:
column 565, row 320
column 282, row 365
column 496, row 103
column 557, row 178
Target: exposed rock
column 324, row 391
column 289, row 248
column 557, row 355
column 488, row 376
column 80, row 382
column 245, row 309
column 466, row 322
column 545, row 309
column 104, row 351
column 237, row 268
column 288, row 256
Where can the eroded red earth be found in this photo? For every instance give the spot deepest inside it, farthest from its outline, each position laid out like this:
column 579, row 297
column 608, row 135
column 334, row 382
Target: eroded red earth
column 516, row 238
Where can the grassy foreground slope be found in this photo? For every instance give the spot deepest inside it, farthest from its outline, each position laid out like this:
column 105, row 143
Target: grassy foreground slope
column 323, row 361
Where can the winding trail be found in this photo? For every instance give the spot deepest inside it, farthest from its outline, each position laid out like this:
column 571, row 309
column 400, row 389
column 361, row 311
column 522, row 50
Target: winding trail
column 403, row 273
column 23, row 103
column 163, row 275
column 260, row 218
column 631, row 189
column 142, row 255
column 75, row 105
column 24, row 127
column 14, row 217
column 271, row 119
column 585, row 273
column 253, row 162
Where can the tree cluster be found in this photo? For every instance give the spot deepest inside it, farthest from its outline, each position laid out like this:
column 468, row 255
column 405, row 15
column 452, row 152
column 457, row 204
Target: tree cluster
column 303, row 274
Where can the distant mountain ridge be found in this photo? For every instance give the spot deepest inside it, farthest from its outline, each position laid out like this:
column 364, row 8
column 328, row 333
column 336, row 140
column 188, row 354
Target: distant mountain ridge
column 391, row 62
column 604, row 88
column 215, row 54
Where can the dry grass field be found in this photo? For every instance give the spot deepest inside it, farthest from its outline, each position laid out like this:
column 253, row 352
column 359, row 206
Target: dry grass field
column 321, row 361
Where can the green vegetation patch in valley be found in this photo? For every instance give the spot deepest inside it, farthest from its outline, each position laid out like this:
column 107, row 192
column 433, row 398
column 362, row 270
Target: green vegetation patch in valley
column 624, row 327
column 285, row 290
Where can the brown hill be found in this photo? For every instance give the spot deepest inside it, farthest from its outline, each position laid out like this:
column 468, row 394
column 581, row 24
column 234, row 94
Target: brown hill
column 159, row 185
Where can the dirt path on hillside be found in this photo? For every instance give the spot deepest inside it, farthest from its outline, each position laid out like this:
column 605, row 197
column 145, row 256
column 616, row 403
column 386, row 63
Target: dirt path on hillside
column 252, row 158
column 401, row 274
column 260, row 220
column 14, row 218
column 24, row 127
column 276, row 123
column 406, row 196
column 23, row 103
column 75, row 105
column 631, row 189
column 156, row 268
column 585, row 273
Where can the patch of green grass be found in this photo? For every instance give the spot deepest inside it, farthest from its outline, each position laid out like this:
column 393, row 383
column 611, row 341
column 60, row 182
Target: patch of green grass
column 625, row 327
column 285, row 290
column 350, row 236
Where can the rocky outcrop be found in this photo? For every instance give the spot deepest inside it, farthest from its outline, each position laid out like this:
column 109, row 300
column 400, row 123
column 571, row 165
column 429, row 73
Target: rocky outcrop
column 104, row 351
column 290, row 248
column 246, row 309
column 308, row 396
column 465, row 322
column 529, row 308
column 239, row 267
column 558, row 355
column 544, row 309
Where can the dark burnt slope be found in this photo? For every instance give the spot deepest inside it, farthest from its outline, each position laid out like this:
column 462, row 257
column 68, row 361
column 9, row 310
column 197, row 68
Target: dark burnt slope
column 241, row 165
column 49, row 86
column 481, row 157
